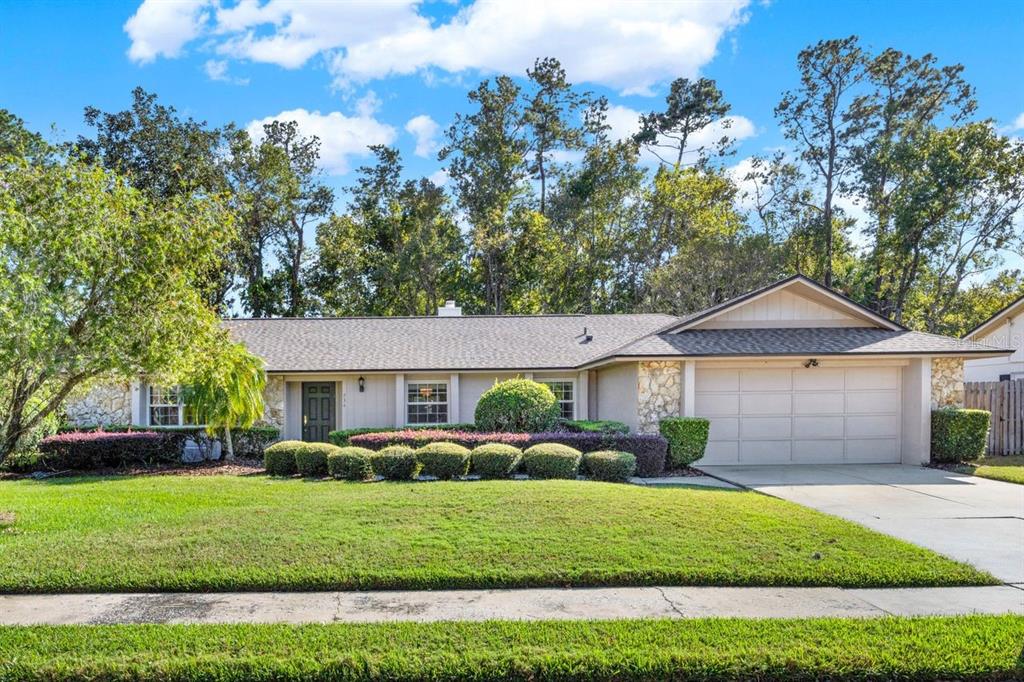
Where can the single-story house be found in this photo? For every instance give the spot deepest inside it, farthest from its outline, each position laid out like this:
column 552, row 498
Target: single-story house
column 1005, row 329
column 793, row 372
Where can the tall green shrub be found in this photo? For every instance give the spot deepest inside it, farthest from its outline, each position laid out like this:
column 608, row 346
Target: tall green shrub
column 959, row 435
column 517, row 405
column 687, row 438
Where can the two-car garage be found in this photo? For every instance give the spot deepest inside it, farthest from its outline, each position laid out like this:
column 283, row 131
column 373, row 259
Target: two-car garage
column 763, row 414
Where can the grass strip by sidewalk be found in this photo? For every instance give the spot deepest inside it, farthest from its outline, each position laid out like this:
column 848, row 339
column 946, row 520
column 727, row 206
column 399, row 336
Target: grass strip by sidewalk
column 970, row 647
column 223, row 533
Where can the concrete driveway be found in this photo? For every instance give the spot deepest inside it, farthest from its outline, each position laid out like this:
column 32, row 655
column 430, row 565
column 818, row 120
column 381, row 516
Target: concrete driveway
column 972, row 519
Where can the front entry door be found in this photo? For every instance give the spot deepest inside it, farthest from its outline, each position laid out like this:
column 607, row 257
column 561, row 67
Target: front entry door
column 317, row 410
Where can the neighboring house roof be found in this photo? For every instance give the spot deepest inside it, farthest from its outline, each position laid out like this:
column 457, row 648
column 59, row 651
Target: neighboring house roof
column 532, row 342
column 997, row 317
column 558, row 342
column 802, row 341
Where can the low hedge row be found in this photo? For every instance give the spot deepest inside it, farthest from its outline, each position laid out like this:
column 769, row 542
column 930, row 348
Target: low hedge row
column 248, row 443
column 101, row 449
column 342, row 436
column 649, row 450
column 445, row 461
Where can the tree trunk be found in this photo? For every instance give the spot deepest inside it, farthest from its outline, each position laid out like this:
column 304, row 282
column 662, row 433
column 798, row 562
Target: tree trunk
column 229, row 455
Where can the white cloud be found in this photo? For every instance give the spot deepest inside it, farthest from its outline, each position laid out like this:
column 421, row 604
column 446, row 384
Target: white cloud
column 217, row 70
column 1018, row 123
column 368, row 104
column 439, row 177
column 629, row 46
column 425, row 130
column 341, row 136
column 162, row 29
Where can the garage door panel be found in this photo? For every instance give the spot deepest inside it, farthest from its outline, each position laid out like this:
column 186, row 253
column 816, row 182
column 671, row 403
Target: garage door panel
column 802, row 415
column 818, row 451
column 818, row 379
column 868, row 378
column 766, row 427
column 872, row 426
column 818, row 427
column 724, row 428
column 722, row 452
column 818, row 403
column 766, row 451
column 766, row 380
column 872, row 450
column 766, row 403
column 718, row 380
column 716, row 404
column 872, row 402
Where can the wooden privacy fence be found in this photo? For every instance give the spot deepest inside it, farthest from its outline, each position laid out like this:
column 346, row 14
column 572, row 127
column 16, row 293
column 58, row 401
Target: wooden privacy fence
column 1005, row 400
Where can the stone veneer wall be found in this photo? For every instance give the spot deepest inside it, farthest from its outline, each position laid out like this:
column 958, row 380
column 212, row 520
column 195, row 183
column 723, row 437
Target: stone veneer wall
column 103, row 404
column 947, row 382
column 659, row 393
column 273, row 402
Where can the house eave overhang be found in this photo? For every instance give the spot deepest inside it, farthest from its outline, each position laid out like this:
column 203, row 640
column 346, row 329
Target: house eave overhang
column 858, row 355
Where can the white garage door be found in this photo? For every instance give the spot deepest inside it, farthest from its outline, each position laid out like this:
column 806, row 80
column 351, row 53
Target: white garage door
column 801, row 415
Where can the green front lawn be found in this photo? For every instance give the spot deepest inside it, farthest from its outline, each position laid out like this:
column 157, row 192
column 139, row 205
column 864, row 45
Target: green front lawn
column 1009, row 469
column 972, row 647
column 253, row 533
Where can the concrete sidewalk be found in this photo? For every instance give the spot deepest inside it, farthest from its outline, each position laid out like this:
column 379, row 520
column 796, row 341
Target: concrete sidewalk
column 528, row 604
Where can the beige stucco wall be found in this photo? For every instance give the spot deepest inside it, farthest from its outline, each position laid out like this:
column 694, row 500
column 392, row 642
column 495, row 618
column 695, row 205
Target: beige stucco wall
column 375, row 406
column 617, row 393
column 103, row 404
column 659, row 393
column 947, row 382
column 471, row 387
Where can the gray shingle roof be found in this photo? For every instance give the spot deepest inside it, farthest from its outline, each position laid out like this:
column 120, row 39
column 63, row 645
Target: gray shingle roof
column 798, row 341
column 439, row 343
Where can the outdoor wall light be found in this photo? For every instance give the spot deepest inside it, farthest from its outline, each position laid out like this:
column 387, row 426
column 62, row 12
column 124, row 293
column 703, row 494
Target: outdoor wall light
column 362, row 384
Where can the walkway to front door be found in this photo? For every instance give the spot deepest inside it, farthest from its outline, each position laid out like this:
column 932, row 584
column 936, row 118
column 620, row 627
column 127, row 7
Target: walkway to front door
column 317, row 410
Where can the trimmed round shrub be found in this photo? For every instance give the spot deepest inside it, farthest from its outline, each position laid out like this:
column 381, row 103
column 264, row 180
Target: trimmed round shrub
column 959, row 435
column 279, row 458
column 495, row 460
column 609, row 465
column 350, row 464
column 551, row 460
column 396, row 463
column 444, row 460
column 517, row 405
column 311, row 459
column 687, row 438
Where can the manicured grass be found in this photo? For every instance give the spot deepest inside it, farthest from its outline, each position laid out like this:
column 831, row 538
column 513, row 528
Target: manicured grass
column 254, row 533
column 1010, row 469
column 974, row 647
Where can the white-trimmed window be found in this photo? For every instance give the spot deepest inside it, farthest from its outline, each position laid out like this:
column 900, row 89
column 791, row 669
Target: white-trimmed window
column 565, row 394
column 426, row 402
column 167, row 407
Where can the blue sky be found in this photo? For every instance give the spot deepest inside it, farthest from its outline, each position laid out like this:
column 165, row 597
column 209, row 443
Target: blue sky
column 396, row 72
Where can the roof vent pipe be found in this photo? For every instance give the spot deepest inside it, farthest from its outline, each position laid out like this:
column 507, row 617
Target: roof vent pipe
column 449, row 309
